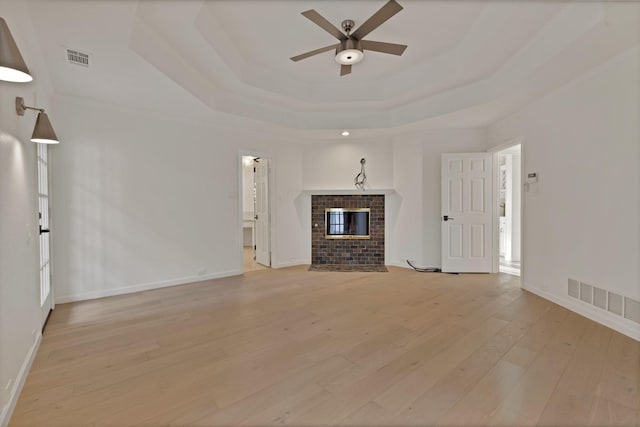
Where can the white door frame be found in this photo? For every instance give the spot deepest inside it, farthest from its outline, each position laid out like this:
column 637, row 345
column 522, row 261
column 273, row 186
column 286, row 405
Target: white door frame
column 496, row 214
column 272, row 237
column 44, row 184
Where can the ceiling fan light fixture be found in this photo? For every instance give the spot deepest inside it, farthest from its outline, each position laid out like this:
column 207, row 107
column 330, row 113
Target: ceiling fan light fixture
column 349, row 56
column 351, row 47
column 349, row 52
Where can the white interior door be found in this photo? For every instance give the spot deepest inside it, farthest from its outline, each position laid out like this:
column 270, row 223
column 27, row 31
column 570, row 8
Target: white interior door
column 262, row 233
column 46, row 298
column 466, row 206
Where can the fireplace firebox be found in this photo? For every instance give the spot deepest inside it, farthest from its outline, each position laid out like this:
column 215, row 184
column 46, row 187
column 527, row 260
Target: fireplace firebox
column 346, row 223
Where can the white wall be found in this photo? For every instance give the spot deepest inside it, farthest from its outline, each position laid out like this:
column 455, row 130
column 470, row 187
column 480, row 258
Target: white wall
column 581, row 220
column 330, row 165
column 335, row 165
column 290, row 213
column 409, row 164
column 143, row 201
column 417, row 172
column 19, row 274
column 406, row 221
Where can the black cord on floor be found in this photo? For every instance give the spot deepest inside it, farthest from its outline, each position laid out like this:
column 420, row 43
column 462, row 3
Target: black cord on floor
column 424, row 270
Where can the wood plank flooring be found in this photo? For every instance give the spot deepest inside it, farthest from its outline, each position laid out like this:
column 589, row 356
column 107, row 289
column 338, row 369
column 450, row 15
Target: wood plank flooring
column 248, row 263
column 300, row 348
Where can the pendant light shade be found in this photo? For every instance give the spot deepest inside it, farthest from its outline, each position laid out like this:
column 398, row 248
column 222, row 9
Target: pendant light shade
column 43, row 132
column 12, row 66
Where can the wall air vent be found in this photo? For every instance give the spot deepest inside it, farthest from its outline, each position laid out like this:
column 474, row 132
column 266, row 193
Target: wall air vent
column 78, row 58
column 620, row 305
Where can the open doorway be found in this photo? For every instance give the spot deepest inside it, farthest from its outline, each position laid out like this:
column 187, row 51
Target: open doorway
column 509, row 161
column 46, row 291
column 256, row 253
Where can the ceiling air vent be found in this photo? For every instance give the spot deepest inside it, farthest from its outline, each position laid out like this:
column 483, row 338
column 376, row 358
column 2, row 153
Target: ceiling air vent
column 78, row 58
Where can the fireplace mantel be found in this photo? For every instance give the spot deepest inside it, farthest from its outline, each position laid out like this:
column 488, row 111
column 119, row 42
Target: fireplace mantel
column 349, row 192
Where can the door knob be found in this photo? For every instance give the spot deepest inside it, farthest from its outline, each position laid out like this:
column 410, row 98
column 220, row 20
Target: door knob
column 447, row 218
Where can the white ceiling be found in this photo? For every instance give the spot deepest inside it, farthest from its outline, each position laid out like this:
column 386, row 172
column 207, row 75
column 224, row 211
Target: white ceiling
column 468, row 62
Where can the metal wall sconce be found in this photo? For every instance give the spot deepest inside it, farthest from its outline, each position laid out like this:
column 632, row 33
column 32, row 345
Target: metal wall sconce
column 43, row 132
column 12, row 66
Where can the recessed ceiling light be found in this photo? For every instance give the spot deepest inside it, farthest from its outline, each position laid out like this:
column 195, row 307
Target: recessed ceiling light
column 345, row 133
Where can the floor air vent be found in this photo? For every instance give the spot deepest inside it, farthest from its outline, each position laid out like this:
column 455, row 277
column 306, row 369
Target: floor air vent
column 78, row 58
column 605, row 300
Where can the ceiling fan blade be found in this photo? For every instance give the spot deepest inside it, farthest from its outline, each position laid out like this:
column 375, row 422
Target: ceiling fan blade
column 387, row 11
column 345, row 69
column 392, row 48
column 314, row 52
column 320, row 21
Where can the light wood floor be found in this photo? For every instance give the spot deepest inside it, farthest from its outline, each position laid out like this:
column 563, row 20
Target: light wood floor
column 248, row 263
column 294, row 347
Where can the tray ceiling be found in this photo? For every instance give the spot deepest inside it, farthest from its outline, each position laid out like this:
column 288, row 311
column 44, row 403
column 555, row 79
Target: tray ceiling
column 468, row 62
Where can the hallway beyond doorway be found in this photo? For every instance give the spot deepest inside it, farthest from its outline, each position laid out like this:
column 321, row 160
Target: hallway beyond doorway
column 248, row 263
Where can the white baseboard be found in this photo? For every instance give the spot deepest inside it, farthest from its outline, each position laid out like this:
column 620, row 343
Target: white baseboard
column 403, row 264
column 143, row 287
column 510, row 270
column 290, row 263
column 6, row 412
column 399, row 264
column 624, row 326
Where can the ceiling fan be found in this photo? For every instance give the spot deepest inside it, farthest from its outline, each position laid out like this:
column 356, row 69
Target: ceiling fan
column 351, row 48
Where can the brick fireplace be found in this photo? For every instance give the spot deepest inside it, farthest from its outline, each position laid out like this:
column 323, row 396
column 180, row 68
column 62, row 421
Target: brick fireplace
column 347, row 251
